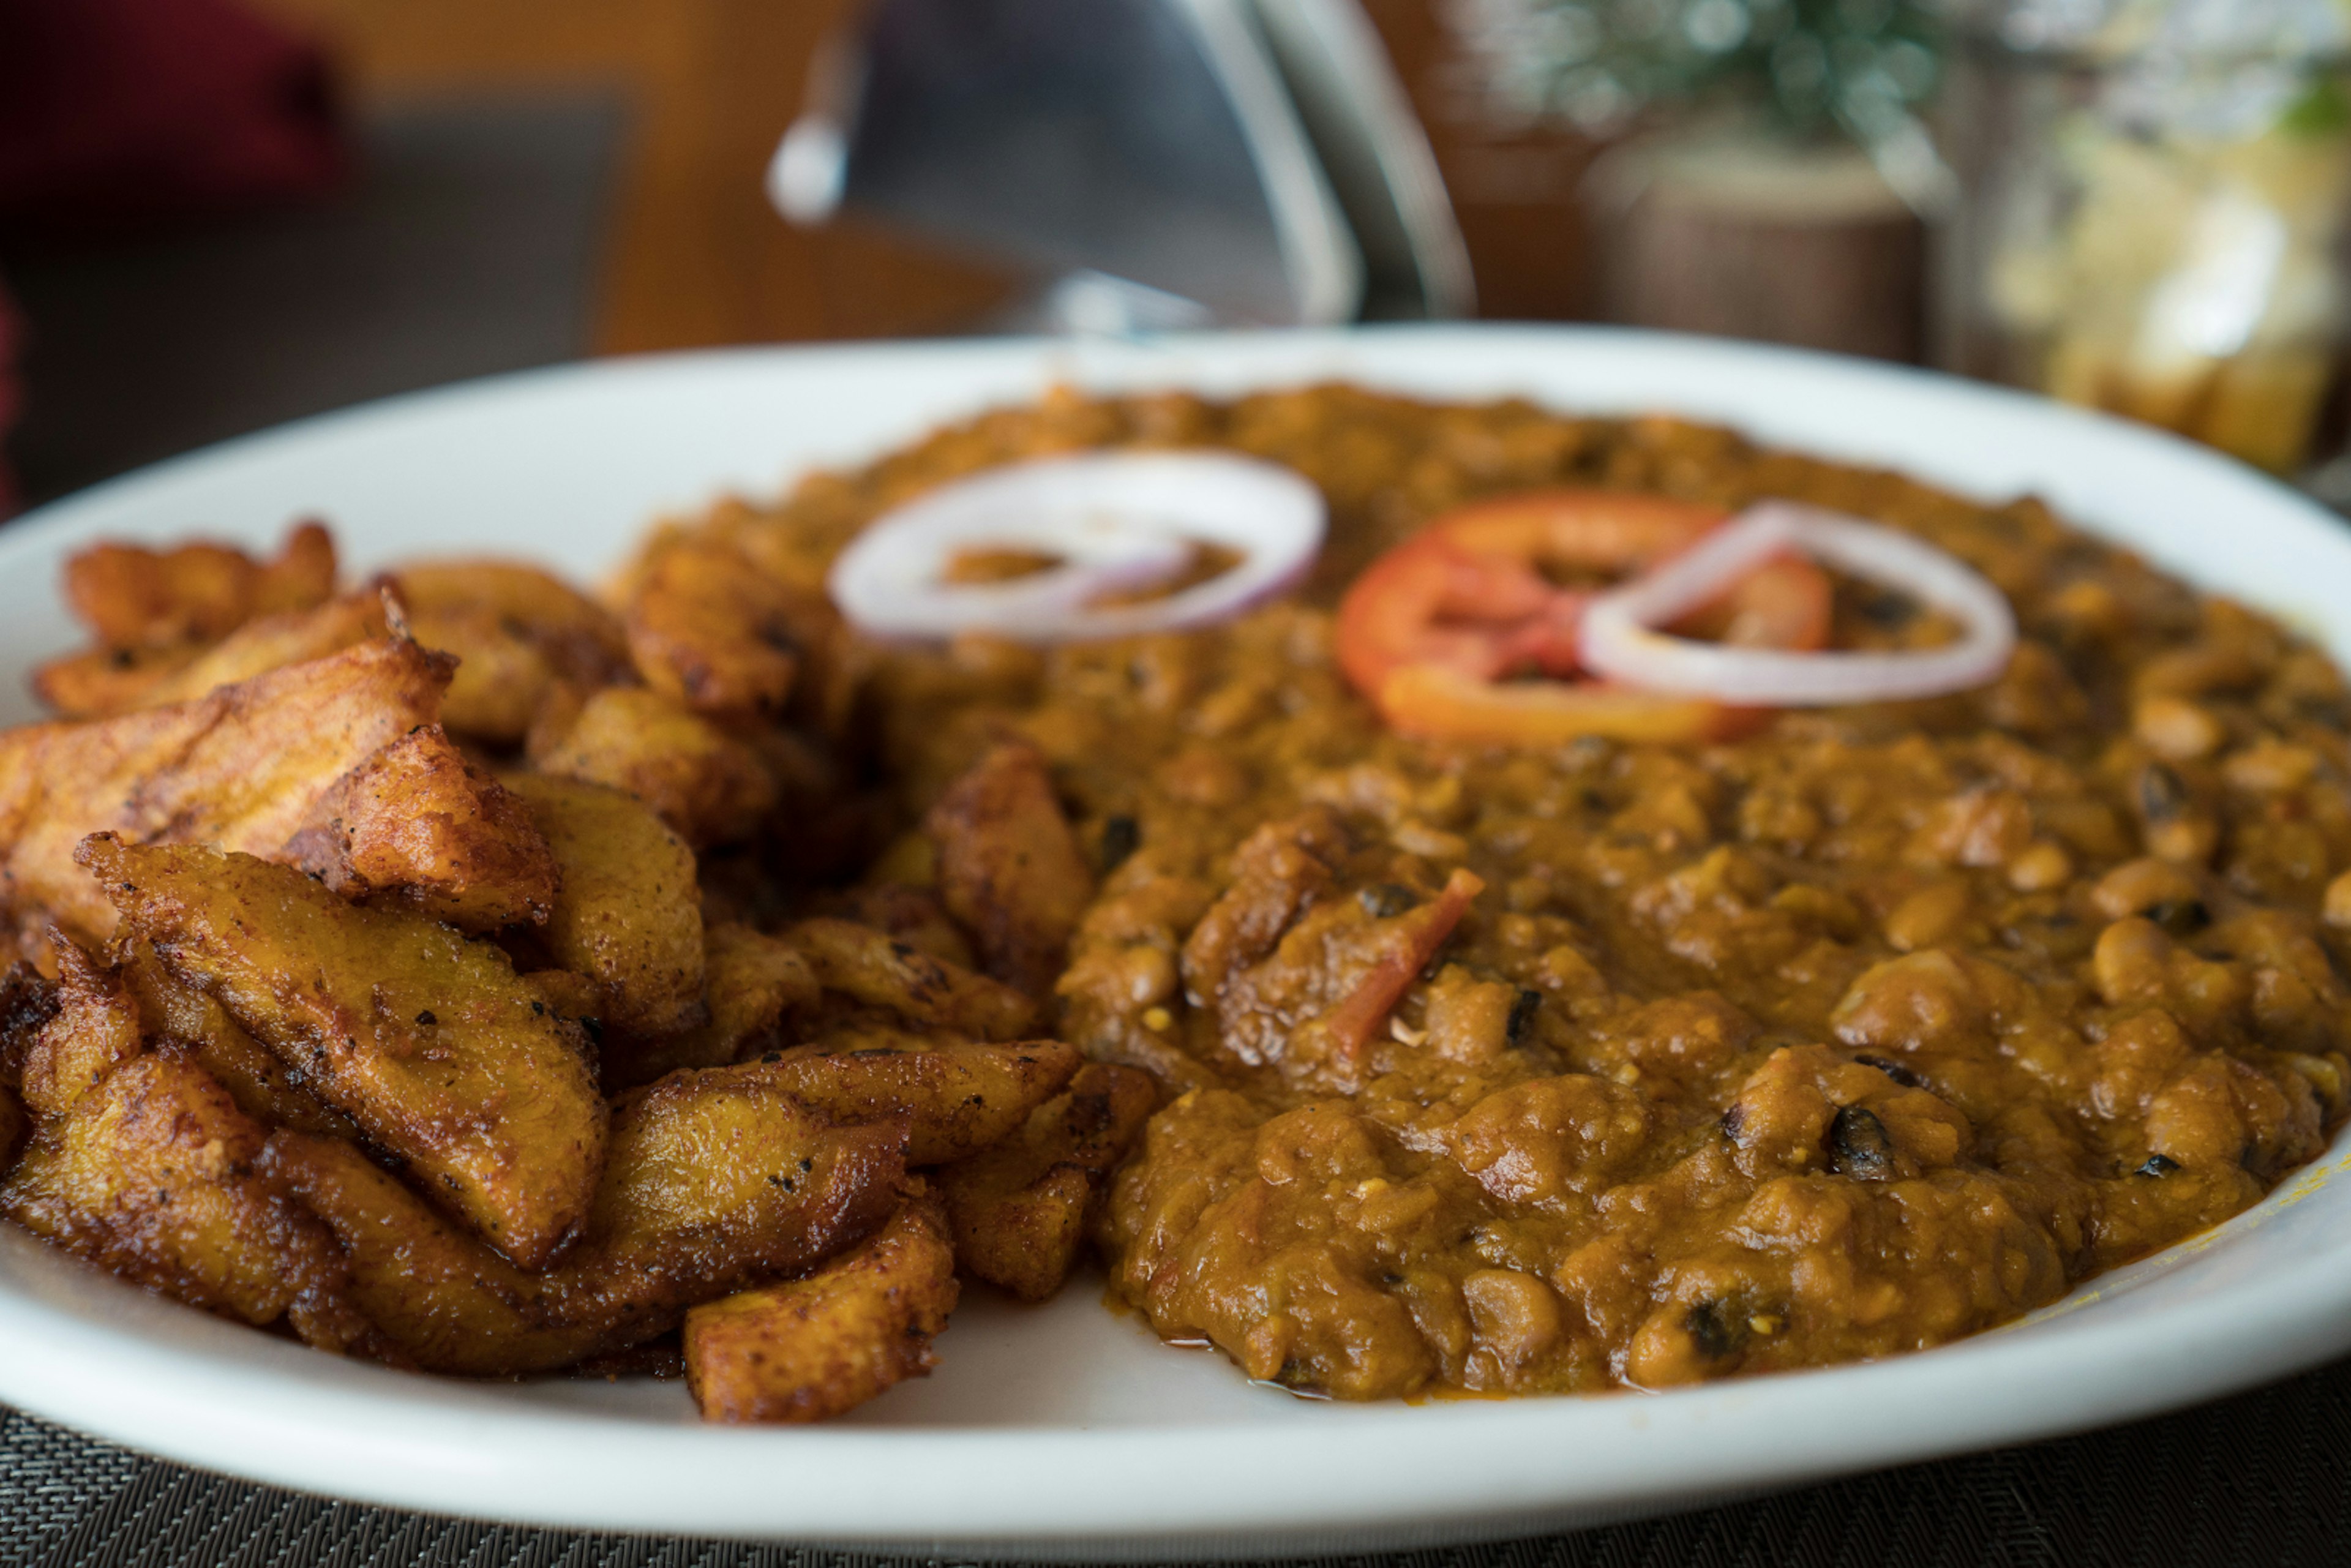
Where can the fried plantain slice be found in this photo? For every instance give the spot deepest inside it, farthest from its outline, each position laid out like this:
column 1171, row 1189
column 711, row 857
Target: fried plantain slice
column 580, row 641
column 273, row 641
column 719, row 1178
column 245, row 767
column 754, row 980
column 708, row 786
column 629, row 913
column 573, row 995
column 263, row 1087
column 832, row 664
column 750, row 981
column 711, row 1186
column 502, row 677
column 707, row 627
column 428, row 1040
column 817, row 1346
column 1020, row 1211
column 443, row 1300
column 99, row 682
column 102, row 681
column 94, row 1029
column 911, row 913
column 872, row 967
column 1010, row 868
column 133, row 596
column 242, row 767
column 150, row 1174
column 421, row 823
column 955, row 1100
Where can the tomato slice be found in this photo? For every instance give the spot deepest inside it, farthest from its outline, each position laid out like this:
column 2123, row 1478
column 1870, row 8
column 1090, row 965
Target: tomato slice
column 1435, row 630
column 1439, row 704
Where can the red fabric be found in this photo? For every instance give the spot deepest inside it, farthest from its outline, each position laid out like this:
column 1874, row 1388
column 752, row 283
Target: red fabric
column 125, row 116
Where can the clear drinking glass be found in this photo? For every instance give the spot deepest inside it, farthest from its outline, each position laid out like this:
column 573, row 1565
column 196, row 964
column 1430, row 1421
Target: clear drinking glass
column 2153, row 211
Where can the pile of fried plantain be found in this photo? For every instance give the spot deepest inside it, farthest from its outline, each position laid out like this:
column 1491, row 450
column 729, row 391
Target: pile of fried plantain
column 457, row 972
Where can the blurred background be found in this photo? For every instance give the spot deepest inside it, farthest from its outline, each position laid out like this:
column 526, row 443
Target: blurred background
column 218, row 215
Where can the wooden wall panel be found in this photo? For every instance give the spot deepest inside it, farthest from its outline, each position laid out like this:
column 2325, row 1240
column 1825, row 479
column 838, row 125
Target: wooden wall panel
column 696, row 256
column 1514, row 193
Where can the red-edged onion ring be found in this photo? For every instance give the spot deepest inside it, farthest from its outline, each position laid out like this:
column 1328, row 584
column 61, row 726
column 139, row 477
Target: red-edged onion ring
column 1119, row 522
column 1618, row 640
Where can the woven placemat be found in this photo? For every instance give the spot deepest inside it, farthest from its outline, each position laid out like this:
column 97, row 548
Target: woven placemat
column 2263, row 1477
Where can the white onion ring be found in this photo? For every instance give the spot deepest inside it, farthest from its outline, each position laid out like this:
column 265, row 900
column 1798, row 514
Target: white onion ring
column 1121, row 521
column 1619, row 641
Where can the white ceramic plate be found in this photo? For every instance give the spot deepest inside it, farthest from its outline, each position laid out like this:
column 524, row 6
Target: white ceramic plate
column 1067, row 1430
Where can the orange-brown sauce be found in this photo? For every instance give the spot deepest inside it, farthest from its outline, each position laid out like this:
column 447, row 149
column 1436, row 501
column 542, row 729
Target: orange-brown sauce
column 1870, row 1030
